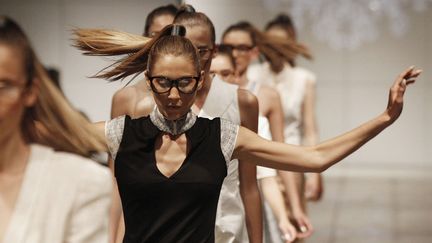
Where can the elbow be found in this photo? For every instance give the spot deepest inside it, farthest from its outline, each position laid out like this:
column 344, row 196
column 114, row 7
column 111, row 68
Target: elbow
column 319, row 168
column 319, row 162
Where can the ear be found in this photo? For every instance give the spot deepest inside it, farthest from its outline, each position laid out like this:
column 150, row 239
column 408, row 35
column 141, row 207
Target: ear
column 146, row 75
column 31, row 93
column 201, row 80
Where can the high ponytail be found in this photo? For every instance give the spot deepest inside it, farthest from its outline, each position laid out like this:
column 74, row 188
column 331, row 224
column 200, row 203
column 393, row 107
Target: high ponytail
column 277, row 51
column 140, row 52
column 99, row 42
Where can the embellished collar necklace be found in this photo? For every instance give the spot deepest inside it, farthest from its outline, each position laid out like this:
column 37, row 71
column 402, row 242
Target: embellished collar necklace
column 175, row 127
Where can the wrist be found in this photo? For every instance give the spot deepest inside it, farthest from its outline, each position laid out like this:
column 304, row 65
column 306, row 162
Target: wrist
column 386, row 119
column 297, row 212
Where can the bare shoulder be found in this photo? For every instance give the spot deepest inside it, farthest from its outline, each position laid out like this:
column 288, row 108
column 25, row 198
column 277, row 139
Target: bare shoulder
column 246, row 99
column 248, row 106
column 125, row 100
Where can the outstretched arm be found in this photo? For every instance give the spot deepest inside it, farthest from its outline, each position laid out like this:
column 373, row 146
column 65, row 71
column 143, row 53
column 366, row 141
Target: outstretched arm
column 250, row 147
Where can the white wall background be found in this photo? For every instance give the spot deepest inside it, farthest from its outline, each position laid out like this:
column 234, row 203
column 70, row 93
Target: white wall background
column 352, row 85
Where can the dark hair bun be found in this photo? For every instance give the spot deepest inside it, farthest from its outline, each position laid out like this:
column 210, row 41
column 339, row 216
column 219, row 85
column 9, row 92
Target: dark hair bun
column 178, row 30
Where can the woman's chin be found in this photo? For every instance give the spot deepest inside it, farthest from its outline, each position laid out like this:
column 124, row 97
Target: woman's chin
column 173, row 114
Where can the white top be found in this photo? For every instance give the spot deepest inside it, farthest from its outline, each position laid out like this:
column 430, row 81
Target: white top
column 263, row 130
column 222, row 101
column 291, row 84
column 63, row 198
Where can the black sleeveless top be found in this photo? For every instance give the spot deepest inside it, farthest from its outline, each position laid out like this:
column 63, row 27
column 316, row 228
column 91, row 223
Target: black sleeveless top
column 181, row 208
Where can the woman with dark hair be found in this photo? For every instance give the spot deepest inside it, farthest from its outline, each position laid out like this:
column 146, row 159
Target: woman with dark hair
column 159, row 18
column 170, row 165
column 49, row 191
column 299, row 102
column 247, row 43
column 223, row 65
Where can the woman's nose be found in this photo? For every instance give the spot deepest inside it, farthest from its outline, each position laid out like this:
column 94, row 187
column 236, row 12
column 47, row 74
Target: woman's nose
column 174, row 93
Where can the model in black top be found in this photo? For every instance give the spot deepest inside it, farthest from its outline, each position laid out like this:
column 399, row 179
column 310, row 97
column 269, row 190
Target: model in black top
column 173, row 205
column 180, row 207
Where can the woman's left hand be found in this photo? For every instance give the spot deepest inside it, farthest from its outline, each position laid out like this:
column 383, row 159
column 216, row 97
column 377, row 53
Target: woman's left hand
column 397, row 91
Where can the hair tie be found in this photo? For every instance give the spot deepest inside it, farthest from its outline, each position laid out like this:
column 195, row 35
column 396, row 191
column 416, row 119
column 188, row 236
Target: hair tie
column 179, row 30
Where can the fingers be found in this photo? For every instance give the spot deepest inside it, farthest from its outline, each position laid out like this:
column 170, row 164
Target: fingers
column 412, row 77
column 404, row 74
column 287, row 237
column 288, row 231
column 305, row 229
column 409, row 74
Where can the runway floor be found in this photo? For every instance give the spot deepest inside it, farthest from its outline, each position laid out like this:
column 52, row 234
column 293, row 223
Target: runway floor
column 363, row 205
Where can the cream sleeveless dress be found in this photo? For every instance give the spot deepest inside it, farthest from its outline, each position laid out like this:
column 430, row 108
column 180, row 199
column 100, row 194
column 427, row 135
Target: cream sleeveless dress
column 291, row 84
column 222, row 101
column 271, row 229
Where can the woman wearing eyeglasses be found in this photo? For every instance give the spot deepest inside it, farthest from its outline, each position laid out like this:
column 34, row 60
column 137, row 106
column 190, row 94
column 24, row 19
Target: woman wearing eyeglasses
column 223, row 65
column 246, row 45
column 170, row 165
column 49, row 191
column 234, row 222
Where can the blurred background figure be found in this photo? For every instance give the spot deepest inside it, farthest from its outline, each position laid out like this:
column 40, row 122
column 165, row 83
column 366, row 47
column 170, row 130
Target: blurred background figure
column 247, row 42
column 49, row 190
column 277, row 227
column 297, row 89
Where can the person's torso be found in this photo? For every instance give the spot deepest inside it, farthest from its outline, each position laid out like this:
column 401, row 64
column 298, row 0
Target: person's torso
column 291, row 85
column 179, row 208
column 48, row 205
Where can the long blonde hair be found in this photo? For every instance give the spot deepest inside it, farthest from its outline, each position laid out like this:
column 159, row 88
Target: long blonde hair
column 52, row 120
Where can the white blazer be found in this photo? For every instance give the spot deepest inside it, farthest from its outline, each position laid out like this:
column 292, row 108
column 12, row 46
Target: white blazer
column 63, row 198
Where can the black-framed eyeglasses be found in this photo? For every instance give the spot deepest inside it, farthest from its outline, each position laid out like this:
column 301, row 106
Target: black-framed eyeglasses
column 185, row 85
column 239, row 48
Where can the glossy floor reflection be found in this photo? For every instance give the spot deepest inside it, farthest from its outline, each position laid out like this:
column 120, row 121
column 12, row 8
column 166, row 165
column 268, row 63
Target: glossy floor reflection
column 372, row 207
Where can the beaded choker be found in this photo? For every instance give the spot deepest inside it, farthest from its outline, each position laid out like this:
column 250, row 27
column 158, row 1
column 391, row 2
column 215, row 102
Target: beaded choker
column 176, row 127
